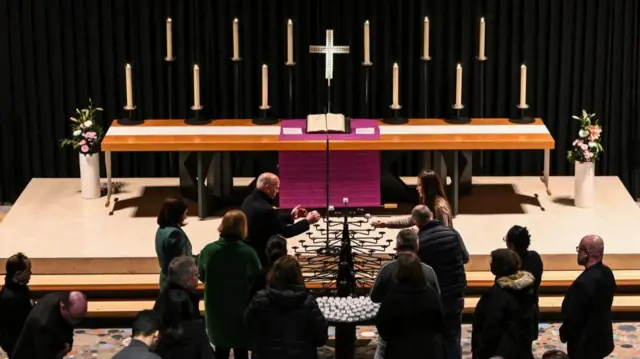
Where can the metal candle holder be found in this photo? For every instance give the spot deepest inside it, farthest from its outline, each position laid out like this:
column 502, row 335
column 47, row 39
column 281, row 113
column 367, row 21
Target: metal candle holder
column 457, row 118
column 521, row 119
column 236, row 87
column 264, row 118
column 196, row 118
column 130, row 118
column 425, row 86
column 290, row 68
column 170, row 105
column 366, row 66
column 395, row 119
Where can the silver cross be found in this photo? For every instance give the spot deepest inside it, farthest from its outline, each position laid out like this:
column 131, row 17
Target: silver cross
column 329, row 50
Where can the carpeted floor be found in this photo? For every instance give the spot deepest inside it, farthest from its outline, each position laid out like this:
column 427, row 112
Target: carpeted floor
column 103, row 344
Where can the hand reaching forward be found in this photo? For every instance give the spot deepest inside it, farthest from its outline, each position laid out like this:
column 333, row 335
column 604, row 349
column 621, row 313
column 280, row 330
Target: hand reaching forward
column 378, row 224
column 298, row 212
column 313, row 217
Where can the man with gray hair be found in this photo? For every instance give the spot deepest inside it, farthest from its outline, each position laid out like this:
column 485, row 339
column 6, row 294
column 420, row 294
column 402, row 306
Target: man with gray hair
column 586, row 309
column 183, row 276
column 264, row 221
column 406, row 242
column 442, row 248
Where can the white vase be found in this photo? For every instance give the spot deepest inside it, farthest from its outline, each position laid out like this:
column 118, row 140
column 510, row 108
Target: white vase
column 584, row 184
column 90, row 175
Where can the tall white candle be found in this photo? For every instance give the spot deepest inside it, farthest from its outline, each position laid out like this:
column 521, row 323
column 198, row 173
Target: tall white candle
column 523, row 85
column 367, row 43
column 129, row 83
column 196, row 86
column 236, row 39
column 396, row 78
column 289, row 42
column 169, row 39
column 265, row 86
column 425, row 46
column 481, row 54
column 459, row 86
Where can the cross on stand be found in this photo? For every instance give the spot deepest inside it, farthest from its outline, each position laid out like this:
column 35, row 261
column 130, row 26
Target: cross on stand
column 329, row 50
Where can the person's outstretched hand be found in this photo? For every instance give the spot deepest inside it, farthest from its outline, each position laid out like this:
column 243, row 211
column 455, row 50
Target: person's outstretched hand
column 378, row 224
column 313, row 217
column 298, row 212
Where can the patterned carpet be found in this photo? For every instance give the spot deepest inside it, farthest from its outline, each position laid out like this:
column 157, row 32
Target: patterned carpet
column 102, row 344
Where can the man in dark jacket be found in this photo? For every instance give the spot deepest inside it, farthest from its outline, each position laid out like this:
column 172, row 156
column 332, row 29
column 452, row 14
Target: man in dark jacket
column 48, row 330
column 15, row 300
column 441, row 247
column 144, row 333
column 263, row 219
column 183, row 276
column 586, row 310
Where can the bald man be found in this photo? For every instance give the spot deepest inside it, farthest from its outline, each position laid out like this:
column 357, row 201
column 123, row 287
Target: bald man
column 586, row 310
column 48, row 330
column 264, row 220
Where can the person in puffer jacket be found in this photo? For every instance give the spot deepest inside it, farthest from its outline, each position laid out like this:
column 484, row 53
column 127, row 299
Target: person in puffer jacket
column 284, row 320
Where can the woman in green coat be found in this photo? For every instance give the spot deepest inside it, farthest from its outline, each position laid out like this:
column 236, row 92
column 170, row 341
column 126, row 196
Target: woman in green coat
column 227, row 267
column 171, row 240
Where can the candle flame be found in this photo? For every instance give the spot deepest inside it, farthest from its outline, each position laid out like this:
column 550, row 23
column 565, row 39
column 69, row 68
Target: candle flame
column 523, row 66
column 169, row 19
column 235, row 20
column 366, row 22
column 459, row 66
column 482, row 20
column 128, row 66
column 426, row 19
column 289, row 22
column 196, row 67
column 264, row 66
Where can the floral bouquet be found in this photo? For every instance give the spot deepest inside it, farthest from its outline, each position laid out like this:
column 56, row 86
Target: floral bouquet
column 587, row 147
column 87, row 134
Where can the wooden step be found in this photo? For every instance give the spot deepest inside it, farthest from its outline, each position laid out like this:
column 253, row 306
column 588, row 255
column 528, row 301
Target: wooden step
column 149, row 282
column 548, row 305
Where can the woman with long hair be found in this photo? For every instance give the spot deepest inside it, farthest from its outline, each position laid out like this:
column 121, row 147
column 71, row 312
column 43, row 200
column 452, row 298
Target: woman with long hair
column 410, row 319
column 182, row 336
column 171, row 239
column 505, row 314
column 431, row 194
column 284, row 320
column 228, row 267
column 518, row 239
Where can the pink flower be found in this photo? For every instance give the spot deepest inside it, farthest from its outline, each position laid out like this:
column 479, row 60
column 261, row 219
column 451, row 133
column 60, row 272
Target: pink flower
column 84, row 149
column 584, row 147
column 594, row 132
column 91, row 135
column 577, row 142
column 82, row 143
column 587, row 155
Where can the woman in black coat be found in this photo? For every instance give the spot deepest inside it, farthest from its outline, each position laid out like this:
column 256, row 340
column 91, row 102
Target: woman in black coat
column 276, row 248
column 284, row 320
column 410, row 318
column 182, row 336
column 504, row 316
column 518, row 240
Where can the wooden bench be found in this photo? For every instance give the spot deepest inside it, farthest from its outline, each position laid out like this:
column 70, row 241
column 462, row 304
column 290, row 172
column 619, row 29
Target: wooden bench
column 128, row 309
column 149, row 282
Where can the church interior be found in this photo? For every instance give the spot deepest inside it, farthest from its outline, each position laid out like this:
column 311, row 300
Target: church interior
column 526, row 112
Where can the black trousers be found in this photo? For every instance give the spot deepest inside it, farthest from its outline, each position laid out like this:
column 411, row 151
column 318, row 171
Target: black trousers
column 238, row 353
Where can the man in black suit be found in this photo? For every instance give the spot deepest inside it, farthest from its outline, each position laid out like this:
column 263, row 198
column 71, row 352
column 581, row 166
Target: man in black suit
column 264, row 220
column 48, row 330
column 144, row 333
column 442, row 248
column 586, row 309
column 15, row 300
column 182, row 276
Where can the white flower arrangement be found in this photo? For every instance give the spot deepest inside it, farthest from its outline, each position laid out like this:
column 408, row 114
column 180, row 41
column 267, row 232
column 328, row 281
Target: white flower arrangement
column 86, row 134
column 587, row 147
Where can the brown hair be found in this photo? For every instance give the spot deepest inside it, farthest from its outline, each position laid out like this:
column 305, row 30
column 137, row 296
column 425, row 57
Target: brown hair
column 431, row 187
column 504, row 262
column 171, row 212
column 409, row 270
column 233, row 225
column 285, row 272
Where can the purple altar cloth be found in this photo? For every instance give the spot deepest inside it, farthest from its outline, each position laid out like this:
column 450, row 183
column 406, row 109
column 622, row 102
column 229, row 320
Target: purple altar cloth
column 355, row 125
column 352, row 174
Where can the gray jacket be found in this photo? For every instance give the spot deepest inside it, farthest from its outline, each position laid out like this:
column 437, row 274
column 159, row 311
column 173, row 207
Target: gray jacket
column 136, row 350
column 386, row 279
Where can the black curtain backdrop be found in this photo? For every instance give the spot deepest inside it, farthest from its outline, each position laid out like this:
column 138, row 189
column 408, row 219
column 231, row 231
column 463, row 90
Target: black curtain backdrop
column 55, row 54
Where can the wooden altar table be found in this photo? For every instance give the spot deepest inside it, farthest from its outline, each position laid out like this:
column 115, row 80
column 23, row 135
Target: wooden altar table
column 214, row 140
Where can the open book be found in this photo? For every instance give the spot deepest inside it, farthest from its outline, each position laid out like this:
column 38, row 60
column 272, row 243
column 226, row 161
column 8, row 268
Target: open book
column 326, row 123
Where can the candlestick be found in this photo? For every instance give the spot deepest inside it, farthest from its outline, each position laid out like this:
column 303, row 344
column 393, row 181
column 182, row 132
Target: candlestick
column 459, row 86
column 367, row 43
column 169, row 39
column 523, row 85
column 196, row 86
column 395, row 96
column 265, row 87
column 481, row 44
column 425, row 47
column 236, row 40
column 129, row 83
column 289, row 42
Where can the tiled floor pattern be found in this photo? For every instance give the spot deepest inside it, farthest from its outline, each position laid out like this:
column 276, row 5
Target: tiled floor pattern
column 102, row 344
